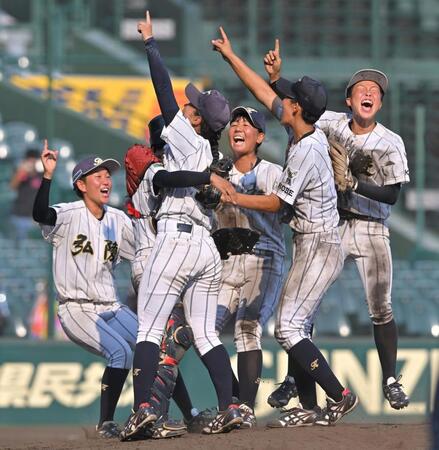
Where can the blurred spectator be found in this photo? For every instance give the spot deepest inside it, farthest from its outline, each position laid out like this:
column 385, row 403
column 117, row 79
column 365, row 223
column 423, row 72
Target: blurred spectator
column 25, row 181
column 435, row 419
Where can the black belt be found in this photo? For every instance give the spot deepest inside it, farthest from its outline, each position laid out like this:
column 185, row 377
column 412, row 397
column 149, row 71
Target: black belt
column 348, row 215
column 85, row 301
column 184, row 227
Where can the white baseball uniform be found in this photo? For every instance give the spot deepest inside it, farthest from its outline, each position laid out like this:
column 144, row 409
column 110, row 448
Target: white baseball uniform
column 85, row 253
column 363, row 224
column 251, row 283
column 147, row 202
column 307, row 184
column 184, row 262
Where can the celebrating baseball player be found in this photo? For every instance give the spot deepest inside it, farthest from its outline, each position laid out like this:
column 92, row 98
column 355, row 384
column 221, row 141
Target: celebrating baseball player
column 184, row 262
column 307, row 186
column 254, row 263
column 88, row 239
column 370, row 164
column 145, row 176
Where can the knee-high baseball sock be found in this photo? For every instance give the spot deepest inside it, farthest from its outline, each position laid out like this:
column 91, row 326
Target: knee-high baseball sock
column 181, row 397
column 308, row 356
column 235, row 386
column 291, row 360
column 306, row 386
column 386, row 341
column 112, row 383
column 217, row 362
column 249, row 374
column 145, row 365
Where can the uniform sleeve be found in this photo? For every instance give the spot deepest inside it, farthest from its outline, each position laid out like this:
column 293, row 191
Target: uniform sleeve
column 127, row 246
column 329, row 122
column 295, row 177
column 149, row 176
column 188, row 150
column 274, row 174
column 393, row 164
column 55, row 233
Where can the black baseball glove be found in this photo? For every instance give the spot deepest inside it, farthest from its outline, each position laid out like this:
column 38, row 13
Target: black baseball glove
column 208, row 195
column 234, row 241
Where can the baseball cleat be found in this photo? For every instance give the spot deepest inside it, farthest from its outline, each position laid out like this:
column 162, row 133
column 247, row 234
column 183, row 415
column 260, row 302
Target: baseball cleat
column 393, row 392
column 224, row 421
column 283, row 394
column 143, row 416
column 108, row 430
column 163, row 429
column 248, row 416
column 300, row 417
column 336, row 410
column 200, row 421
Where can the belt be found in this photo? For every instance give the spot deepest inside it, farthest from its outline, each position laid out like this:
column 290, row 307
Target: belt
column 84, row 301
column 173, row 225
column 348, row 215
column 184, row 227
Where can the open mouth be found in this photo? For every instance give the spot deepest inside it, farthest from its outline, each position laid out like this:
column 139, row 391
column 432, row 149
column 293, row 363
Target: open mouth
column 367, row 105
column 105, row 191
column 238, row 139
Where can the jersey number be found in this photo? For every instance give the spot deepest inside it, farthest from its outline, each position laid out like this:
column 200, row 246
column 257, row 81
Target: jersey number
column 81, row 244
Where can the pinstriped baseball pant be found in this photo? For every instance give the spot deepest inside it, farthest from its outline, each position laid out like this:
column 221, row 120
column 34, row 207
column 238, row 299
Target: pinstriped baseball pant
column 317, row 262
column 250, row 287
column 105, row 330
column 367, row 243
column 187, row 266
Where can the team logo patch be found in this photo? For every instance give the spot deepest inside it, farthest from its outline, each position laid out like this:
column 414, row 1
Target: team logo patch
column 136, row 372
column 315, row 364
column 98, row 161
column 104, row 387
column 291, row 175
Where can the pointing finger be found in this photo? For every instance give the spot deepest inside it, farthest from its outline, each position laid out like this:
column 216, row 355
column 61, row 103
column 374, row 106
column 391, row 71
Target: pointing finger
column 277, row 45
column 223, row 33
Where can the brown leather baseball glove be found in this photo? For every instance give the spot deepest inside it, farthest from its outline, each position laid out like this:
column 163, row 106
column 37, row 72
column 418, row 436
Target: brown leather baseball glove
column 344, row 180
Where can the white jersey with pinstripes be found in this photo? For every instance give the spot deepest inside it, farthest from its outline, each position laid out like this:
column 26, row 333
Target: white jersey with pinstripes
column 260, row 180
column 307, row 184
column 186, row 150
column 388, row 155
column 147, row 202
column 86, row 251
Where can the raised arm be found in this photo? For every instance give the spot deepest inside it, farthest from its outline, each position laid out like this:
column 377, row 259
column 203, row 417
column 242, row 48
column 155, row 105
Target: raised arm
column 159, row 74
column 42, row 213
column 254, row 82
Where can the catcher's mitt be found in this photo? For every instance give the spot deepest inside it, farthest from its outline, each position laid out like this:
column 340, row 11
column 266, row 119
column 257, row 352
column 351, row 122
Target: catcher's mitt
column 208, row 195
column 137, row 160
column 344, row 181
column 234, row 241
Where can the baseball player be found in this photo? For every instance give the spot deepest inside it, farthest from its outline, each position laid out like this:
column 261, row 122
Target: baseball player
column 88, row 239
column 307, row 187
column 144, row 202
column 365, row 208
column 184, row 262
column 251, row 282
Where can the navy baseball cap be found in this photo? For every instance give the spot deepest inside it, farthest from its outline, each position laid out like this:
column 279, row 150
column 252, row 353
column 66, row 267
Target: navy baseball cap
column 212, row 106
column 380, row 78
column 92, row 163
column 255, row 117
column 310, row 94
column 155, row 127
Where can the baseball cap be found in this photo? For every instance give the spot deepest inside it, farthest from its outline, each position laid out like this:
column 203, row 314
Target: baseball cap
column 310, row 94
column 92, row 163
column 379, row 77
column 256, row 118
column 155, row 127
column 212, row 106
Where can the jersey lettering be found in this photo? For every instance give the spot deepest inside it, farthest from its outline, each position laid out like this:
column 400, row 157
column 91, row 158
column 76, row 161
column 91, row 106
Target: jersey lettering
column 110, row 250
column 81, row 244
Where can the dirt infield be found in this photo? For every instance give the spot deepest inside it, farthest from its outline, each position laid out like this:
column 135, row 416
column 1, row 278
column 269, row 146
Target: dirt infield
column 340, row 437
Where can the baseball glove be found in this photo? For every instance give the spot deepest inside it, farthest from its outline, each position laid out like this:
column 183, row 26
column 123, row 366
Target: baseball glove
column 137, row 160
column 361, row 164
column 208, row 195
column 234, row 241
column 344, row 180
